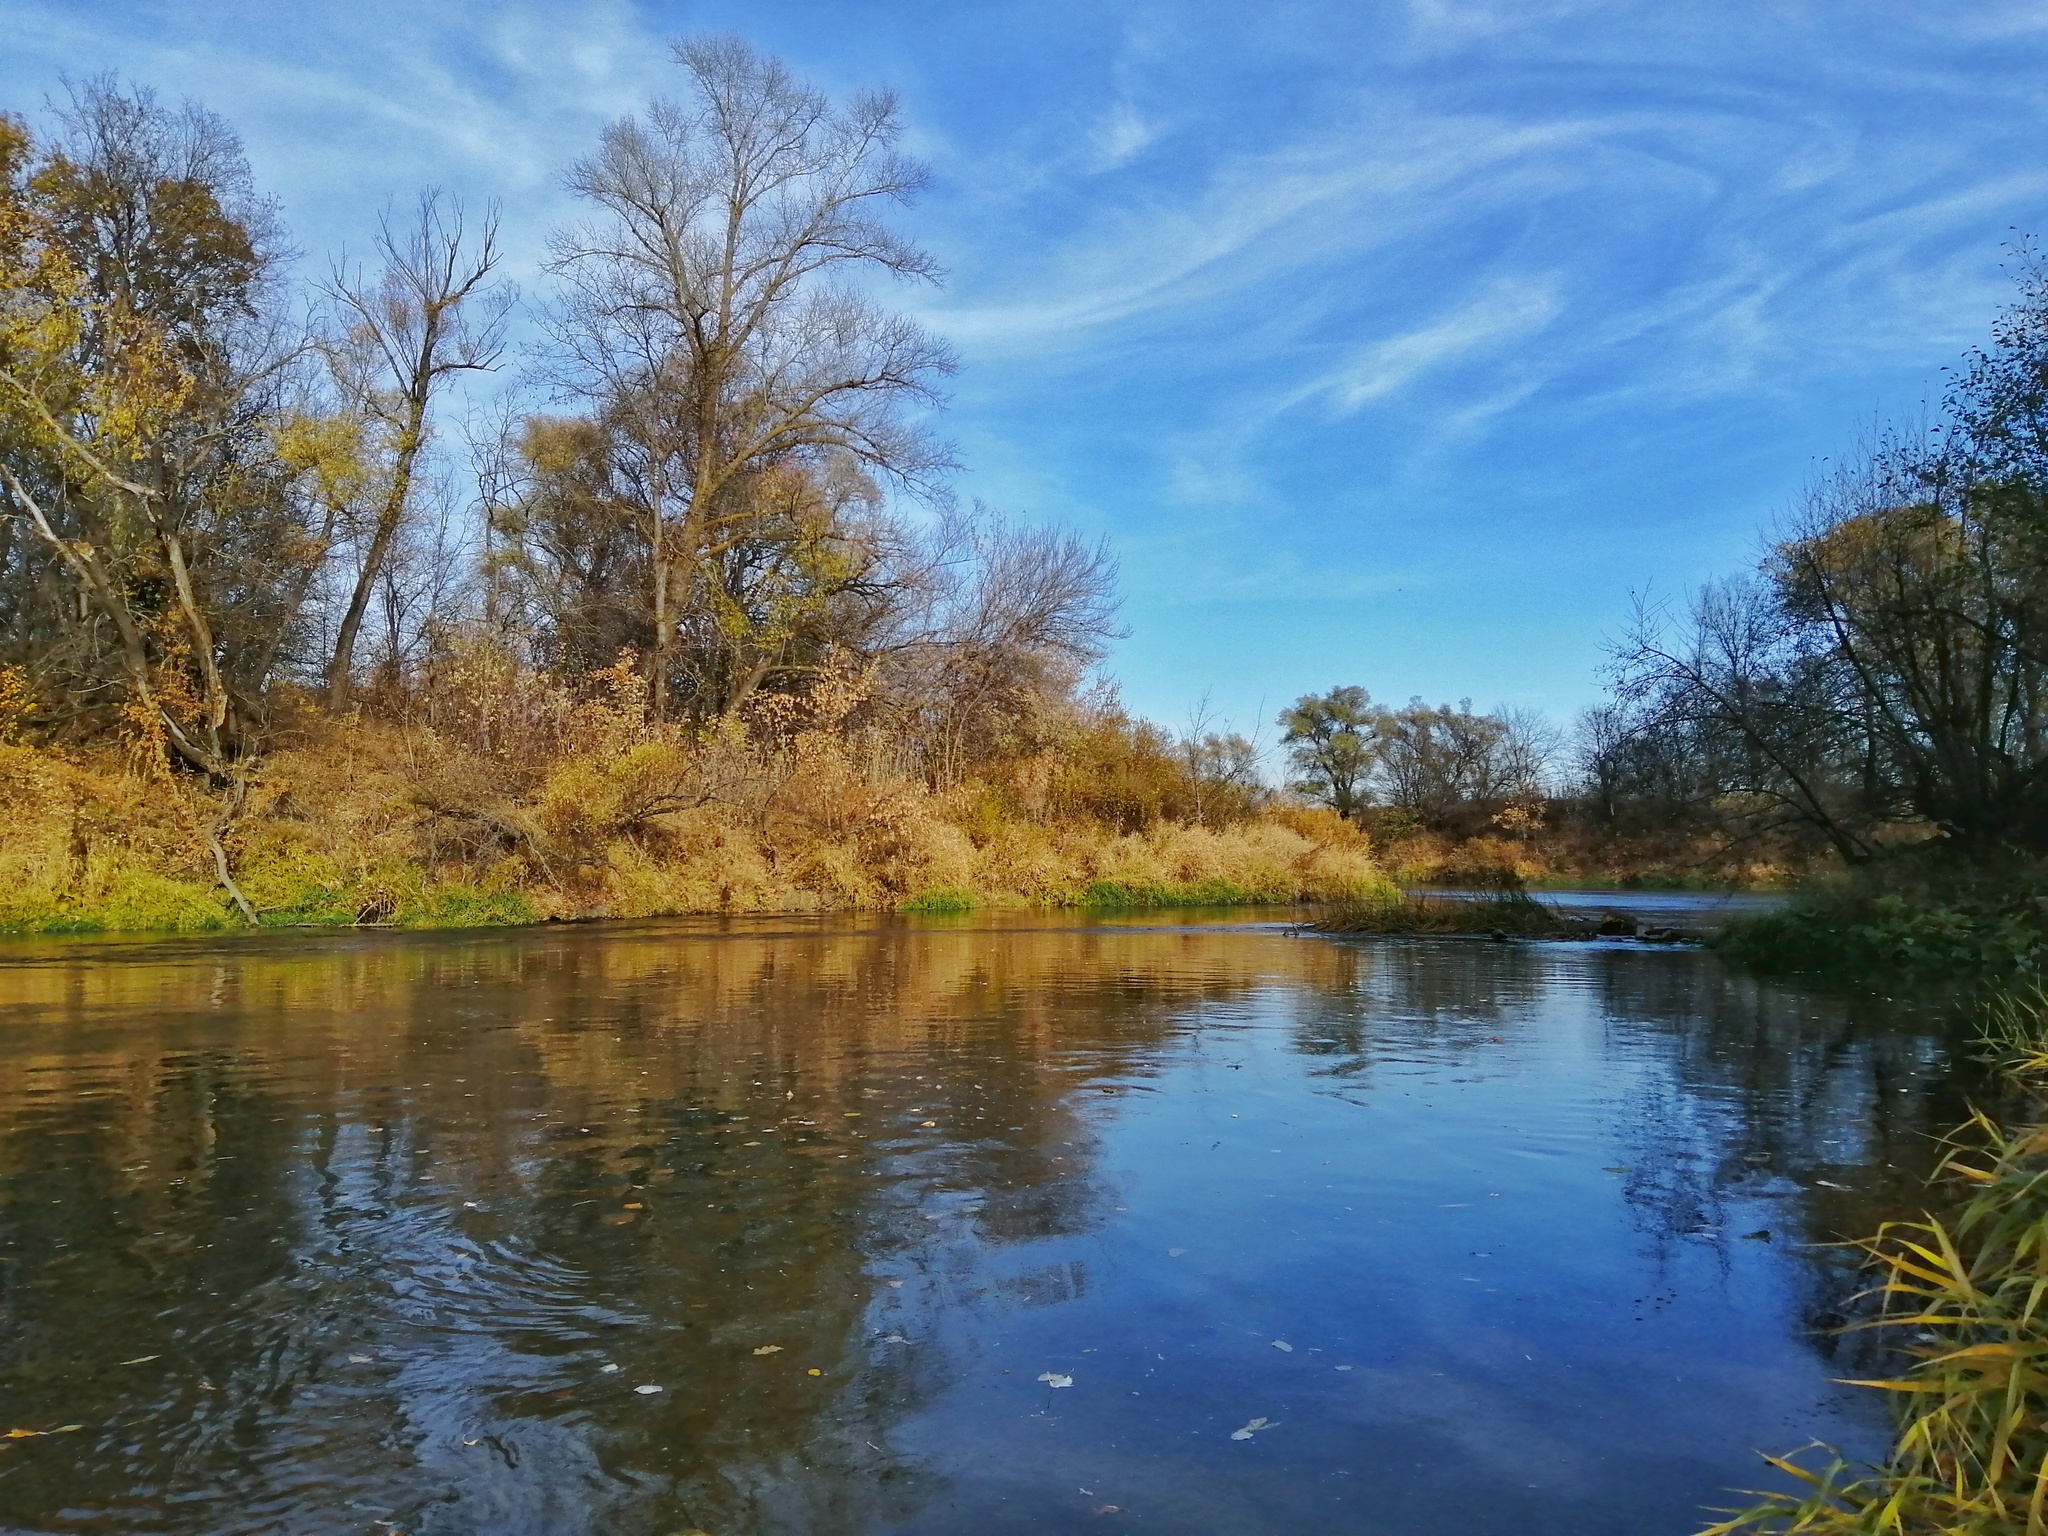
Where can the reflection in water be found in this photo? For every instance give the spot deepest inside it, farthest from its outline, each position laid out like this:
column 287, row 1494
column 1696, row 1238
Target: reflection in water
column 406, row 1232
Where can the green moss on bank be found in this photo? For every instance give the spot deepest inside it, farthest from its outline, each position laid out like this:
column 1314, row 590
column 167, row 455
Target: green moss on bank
column 139, row 902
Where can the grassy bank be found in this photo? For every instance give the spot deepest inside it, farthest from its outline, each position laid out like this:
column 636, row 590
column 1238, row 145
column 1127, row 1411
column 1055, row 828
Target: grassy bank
column 1917, row 921
column 1965, row 1295
column 600, row 814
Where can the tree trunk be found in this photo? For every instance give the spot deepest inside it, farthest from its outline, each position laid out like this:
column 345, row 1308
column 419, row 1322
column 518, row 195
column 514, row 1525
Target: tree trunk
column 340, row 671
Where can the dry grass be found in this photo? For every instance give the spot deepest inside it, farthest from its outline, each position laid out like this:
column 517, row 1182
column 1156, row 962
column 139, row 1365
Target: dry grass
column 533, row 805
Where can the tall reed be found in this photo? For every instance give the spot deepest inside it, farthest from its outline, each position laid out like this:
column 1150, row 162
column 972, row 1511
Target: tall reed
column 1970, row 1294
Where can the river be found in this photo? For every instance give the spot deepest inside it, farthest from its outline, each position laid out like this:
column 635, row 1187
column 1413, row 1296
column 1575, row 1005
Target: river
column 1000, row 1224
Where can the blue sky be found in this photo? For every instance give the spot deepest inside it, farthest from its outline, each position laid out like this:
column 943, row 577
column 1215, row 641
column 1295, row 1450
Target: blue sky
column 1391, row 343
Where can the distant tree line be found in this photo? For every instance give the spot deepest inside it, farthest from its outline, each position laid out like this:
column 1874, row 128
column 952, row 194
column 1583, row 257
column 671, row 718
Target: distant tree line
column 1449, row 769
column 1878, row 682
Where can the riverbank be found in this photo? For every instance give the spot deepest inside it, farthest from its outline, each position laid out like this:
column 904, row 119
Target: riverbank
column 374, row 825
column 1918, row 922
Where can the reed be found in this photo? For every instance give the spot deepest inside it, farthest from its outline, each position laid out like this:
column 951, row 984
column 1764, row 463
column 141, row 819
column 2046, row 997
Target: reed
column 1506, row 910
column 1968, row 1298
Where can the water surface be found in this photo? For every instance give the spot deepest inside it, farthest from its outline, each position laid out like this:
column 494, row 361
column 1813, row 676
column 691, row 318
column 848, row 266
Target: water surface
column 782, row 1227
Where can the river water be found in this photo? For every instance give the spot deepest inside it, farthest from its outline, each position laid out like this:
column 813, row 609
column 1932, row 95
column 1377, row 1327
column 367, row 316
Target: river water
column 1021, row 1224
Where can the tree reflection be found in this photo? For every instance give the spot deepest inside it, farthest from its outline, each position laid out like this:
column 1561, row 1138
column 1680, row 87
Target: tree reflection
column 380, row 1214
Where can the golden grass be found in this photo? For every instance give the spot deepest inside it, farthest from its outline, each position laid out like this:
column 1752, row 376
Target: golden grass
column 585, row 810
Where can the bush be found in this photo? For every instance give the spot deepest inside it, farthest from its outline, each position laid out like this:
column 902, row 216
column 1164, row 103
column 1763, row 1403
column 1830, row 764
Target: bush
column 1919, row 920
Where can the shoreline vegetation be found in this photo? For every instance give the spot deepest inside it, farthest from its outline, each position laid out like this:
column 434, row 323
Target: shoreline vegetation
column 406, row 829
column 1961, row 1298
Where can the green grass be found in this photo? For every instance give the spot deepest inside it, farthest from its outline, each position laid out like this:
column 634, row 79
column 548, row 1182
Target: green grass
column 1510, row 912
column 1114, row 895
column 941, row 901
column 131, row 902
column 464, row 906
column 1920, row 921
column 146, row 903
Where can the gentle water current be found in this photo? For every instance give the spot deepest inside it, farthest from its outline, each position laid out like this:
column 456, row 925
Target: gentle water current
column 782, row 1227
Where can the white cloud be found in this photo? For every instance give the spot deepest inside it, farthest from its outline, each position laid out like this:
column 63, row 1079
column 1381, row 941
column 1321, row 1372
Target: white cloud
column 1121, row 135
column 1507, row 310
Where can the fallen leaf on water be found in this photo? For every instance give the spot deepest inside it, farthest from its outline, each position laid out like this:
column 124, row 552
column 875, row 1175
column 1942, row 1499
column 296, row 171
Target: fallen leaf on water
column 1251, row 1429
column 635, row 1205
column 769, row 1349
column 814, row 1371
column 139, row 1360
column 930, row 1124
column 37, row 1434
column 1283, row 1346
column 648, row 1391
column 1055, row 1379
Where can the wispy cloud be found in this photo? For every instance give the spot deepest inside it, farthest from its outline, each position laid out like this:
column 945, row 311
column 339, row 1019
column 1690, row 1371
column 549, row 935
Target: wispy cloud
column 1508, row 310
column 1279, row 294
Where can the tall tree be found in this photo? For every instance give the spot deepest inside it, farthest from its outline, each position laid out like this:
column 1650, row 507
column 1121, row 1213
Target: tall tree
column 431, row 313
column 712, row 306
column 138, row 391
column 1332, row 740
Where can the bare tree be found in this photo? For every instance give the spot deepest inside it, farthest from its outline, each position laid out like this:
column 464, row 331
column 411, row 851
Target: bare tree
column 1012, row 620
column 711, row 305
column 431, row 313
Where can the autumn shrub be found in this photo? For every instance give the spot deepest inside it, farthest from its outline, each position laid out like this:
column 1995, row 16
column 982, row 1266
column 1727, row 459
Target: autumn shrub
column 489, row 795
column 91, row 845
column 1417, row 859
